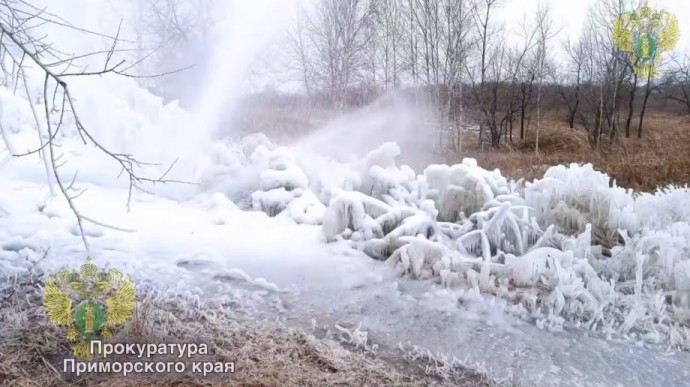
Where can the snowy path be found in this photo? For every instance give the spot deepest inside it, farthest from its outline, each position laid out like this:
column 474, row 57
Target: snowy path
column 271, row 265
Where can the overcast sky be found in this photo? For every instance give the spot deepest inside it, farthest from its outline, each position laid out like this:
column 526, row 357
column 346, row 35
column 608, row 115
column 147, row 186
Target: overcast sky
column 249, row 25
column 570, row 14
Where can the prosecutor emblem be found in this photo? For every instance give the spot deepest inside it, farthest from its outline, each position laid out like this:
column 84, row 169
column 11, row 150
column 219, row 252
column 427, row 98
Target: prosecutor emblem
column 645, row 34
column 89, row 303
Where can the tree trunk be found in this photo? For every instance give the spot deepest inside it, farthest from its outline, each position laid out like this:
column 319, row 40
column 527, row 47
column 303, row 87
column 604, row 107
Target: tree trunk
column 483, row 71
column 644, row 104
column 600, row 121
column 631, row 107
column 536, row 144
column 496, row 138
column 573, row 113
column 571, row 121
column 614, row 107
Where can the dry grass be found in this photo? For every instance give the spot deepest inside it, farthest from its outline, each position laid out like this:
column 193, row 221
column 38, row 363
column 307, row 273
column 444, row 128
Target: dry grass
column 32, row 349
column 660, row 158
column 281, row 124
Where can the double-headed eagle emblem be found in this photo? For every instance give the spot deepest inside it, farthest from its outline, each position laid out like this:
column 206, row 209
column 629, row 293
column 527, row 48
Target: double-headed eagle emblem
column 646, row 33
column 89, row 303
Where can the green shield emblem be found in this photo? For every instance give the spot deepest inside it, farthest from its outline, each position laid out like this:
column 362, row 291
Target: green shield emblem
column 89, row 318
column 646, row 46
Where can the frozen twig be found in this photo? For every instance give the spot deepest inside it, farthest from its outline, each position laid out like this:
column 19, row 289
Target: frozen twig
column 16, row 20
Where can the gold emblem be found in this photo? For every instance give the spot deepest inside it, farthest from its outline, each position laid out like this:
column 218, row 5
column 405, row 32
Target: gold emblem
column 89, row 304
column 646, row 34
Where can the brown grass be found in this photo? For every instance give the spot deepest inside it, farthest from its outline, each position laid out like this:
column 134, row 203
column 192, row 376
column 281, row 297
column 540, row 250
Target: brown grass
column 661, row 157
column 32, row 350
column 281, row 124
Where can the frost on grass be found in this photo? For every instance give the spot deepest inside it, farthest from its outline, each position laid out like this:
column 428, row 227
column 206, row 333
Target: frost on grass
column 568, row 250
column 264, row 353
column 450, row 367
column 357, row 337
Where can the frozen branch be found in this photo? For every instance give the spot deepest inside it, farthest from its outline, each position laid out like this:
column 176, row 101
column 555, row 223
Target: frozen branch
column 14, row 25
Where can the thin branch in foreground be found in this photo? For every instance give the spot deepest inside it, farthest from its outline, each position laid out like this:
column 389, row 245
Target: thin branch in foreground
column 55, row 172
column 36, row 50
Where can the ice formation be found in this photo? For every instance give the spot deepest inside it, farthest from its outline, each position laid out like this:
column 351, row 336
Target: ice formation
column 567, row 250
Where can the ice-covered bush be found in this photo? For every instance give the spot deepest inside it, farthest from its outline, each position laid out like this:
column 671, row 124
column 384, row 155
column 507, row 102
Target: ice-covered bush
column 538, row 245
column 463, row 189
column 571, row 249
column 283, row 186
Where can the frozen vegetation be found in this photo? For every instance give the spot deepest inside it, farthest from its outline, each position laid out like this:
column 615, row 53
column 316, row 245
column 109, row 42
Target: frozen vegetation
column 568, row 250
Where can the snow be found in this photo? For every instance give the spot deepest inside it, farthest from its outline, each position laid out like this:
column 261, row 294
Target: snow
column 568, row 254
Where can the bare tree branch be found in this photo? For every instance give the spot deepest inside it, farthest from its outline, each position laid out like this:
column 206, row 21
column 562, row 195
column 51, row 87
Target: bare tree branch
column 14, row 25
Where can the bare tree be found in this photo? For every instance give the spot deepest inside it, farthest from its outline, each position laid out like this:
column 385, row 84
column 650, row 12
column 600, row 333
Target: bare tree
column 18, row 21
column 387, row 17
column 173, row 34
column 412, row 57
column 493, row 76
column 679, row 80
column 526, row 77
column 649, row 87
column 604, row 70
column 440, row 30
column 497, row 100
column 447, row 49
column 633, row 83
column 545, row 31
column 337, row 35
column 298, row 50
column 482, row 16
column 569, row 86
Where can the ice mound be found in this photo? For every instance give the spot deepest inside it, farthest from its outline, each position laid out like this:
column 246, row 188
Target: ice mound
column 568, row 250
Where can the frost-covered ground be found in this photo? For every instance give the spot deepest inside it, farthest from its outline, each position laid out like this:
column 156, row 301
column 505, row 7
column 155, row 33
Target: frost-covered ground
column 564, row 280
